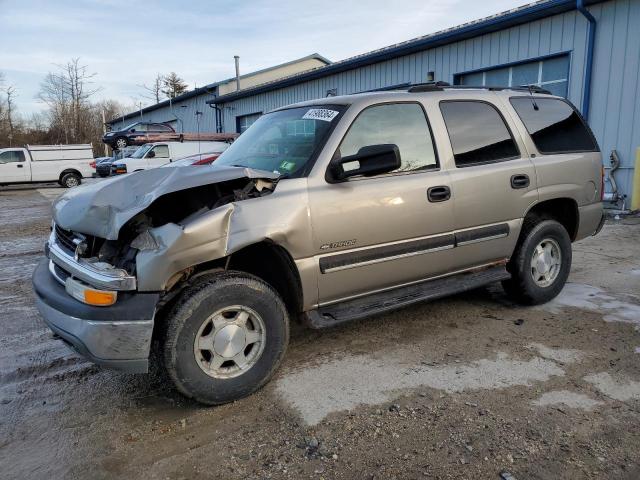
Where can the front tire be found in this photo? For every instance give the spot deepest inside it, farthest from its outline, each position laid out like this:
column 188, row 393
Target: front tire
column 225, row 337
column 540, row 264
column 70, row 180
column 121, row 142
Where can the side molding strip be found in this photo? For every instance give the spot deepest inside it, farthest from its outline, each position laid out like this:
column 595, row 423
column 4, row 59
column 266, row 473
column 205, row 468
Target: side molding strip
column 343, row 261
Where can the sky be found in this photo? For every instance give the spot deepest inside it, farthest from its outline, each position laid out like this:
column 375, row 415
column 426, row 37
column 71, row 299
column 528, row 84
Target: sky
column 126, row 43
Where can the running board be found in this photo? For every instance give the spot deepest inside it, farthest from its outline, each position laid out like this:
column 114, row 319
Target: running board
column 382, row 302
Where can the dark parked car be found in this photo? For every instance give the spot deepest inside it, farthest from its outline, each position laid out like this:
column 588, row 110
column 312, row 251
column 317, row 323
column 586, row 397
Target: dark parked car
column 135, row 134
column 103, row 164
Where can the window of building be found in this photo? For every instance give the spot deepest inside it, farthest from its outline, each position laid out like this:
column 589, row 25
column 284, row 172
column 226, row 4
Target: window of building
column 11, row 157
column 245, row 121
column 161, row 151
column 478, row 133
column 551, row 74
column 402, row 124
column 555, row 127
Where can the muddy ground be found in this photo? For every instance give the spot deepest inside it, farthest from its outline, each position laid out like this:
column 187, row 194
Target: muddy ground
column 467, row 387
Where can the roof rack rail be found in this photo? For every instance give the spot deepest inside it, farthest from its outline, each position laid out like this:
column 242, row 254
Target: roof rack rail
column 428, row 87
column 440, row 86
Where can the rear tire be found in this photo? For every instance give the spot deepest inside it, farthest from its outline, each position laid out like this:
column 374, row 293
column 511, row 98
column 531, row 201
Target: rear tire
column 70, row 180
column 540, row 264
column 225, row 337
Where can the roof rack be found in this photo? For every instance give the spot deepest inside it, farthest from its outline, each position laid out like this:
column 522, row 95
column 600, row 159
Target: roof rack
column 441, row 86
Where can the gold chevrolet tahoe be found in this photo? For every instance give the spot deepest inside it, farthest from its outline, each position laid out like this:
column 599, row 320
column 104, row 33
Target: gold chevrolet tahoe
column 322, row 212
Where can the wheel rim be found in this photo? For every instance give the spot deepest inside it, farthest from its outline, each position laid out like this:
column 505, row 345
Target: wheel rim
column 229, row 342
column 121, row 143
column 546, row 262
column 72, row 182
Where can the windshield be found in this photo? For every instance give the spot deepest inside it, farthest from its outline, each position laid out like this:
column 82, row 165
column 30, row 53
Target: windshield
column 284, row 141
column 128, row 127
column 139, row 153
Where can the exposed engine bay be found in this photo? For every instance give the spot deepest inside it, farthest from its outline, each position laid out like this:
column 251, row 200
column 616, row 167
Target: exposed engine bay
column 177, row 207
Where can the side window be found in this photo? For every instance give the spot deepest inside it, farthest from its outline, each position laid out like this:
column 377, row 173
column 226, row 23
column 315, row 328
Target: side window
column 140, row 127
column 161, row 151
column 11, row 157
column 478, row 133
column 555, row 127
column 402, row 124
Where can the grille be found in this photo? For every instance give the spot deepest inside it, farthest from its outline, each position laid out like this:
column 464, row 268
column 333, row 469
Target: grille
column 65, row 239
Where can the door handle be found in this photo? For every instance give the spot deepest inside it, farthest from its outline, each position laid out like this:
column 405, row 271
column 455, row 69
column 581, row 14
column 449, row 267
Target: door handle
column 520, row 181
column 19, row 166
column 439, row 194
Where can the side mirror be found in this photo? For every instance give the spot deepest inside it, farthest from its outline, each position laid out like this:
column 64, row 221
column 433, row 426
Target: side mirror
column 151, row 154
column 370, row 160
column 132, row 130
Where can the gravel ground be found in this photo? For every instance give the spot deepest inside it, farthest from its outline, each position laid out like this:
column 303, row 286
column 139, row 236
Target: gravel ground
column 467, row 387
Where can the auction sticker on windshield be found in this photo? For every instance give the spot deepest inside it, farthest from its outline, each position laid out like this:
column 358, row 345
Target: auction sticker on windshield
column 320, row 114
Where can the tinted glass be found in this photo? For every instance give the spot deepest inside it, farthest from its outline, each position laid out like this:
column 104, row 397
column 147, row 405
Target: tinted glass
column 555, row 127
column 401, row 124
column 477, row 132
column 11, row 157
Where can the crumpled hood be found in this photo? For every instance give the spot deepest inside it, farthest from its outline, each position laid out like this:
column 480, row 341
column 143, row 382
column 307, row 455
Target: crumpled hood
column 101, row 209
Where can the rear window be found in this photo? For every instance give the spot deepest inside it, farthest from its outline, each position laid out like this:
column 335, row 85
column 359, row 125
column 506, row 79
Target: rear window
column 478, row 133
column 555, row 127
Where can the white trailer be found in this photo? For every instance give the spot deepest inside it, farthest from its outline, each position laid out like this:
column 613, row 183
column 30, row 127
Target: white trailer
column 65, row 164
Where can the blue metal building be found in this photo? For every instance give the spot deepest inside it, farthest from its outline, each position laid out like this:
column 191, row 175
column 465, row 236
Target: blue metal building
column 586, row 50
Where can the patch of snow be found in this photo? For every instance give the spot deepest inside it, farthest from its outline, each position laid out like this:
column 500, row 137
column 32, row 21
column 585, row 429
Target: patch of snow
column 567, row 398
column 343, row 384
column 560, row 355
column 616, row 388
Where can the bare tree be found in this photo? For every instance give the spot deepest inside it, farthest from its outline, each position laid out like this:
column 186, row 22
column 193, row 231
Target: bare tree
column 173, row 85
column 67, row 93
column 155, row 90
column 10, row 93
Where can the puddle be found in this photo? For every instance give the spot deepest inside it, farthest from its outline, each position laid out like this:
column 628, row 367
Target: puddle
column 594, row 299
column 567, row 398
column 616, row 388
column 345, row 383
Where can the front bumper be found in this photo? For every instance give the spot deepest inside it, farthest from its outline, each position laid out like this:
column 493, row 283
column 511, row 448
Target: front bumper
column 118, row 336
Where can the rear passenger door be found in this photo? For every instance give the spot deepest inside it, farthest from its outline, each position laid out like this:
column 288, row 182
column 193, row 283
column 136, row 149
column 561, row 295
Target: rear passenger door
column 493, row 182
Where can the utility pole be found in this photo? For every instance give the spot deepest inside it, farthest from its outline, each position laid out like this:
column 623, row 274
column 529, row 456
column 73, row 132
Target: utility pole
column 104, row 130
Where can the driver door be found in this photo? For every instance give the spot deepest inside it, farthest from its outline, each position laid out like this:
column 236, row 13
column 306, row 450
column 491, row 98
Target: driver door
column 13, row 167
column 378, row 232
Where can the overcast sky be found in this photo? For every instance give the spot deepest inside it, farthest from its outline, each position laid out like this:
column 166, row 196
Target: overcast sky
column 127, row 42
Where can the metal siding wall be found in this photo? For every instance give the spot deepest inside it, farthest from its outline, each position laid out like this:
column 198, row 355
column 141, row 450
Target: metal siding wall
column 615, row 110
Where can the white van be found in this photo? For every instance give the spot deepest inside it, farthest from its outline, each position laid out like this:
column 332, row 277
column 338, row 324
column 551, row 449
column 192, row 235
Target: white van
column 65, row 164
column 151, row 155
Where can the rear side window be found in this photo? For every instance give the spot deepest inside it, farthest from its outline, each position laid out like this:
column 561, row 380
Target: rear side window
column 555, row 127
column 478, row 133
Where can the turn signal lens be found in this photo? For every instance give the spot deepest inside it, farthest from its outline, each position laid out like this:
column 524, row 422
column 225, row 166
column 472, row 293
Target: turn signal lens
column 91, row 296
column 98, row 298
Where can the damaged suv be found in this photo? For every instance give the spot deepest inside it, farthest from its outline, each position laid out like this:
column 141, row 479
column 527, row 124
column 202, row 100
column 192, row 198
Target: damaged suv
column 322, row 212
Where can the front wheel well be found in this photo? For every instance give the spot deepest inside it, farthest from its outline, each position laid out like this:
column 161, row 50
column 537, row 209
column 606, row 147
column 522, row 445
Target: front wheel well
column 563, row 210
column 273, row 264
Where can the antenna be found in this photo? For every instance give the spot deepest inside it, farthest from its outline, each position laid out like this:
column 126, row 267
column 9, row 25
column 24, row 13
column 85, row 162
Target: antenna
column 533, row 100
